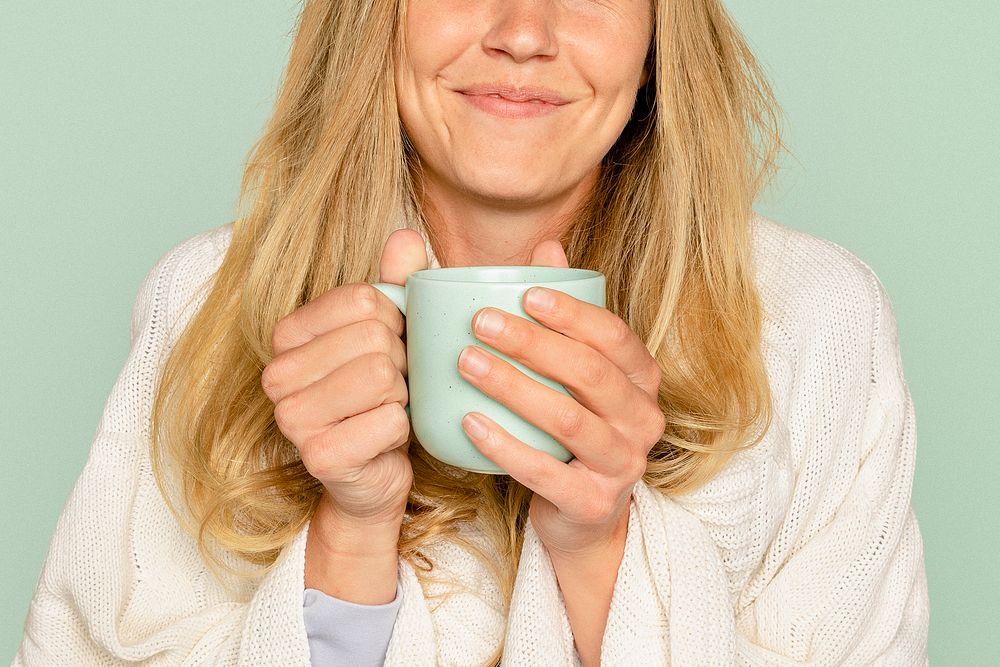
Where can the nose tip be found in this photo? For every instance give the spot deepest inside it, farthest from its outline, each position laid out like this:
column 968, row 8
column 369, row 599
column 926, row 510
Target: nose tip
column 522, row 30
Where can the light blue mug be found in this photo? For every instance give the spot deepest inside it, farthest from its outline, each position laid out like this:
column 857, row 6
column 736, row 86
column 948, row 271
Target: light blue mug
column 439, row 305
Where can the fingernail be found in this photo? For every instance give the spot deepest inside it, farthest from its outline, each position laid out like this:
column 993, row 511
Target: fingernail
column 474, row 361
column 540, row 299
column 489, row 322
column 474, row 426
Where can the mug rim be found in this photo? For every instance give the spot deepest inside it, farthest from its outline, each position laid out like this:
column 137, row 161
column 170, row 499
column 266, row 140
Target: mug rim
column 568, row 274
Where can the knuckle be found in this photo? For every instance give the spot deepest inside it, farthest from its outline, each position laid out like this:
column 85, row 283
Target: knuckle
column 378, row 335
column 286, row 412
column 281, row 335
column 620, row 332
column 657, row 425
column 400, row 422
column 594, row 371
column 324, row 452
column 656, row 375
column 316, row 458
column 270, row 379
column 637, row 464
column 500, row 379
column 518, row 335
column 381, row 370
column 570, row 420
column 364, row 299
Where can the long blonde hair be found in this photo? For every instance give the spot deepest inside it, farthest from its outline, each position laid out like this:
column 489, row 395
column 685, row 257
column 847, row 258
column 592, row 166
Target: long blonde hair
column 668, row 224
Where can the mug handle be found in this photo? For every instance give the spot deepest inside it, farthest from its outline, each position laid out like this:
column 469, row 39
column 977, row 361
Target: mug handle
column 396, row 294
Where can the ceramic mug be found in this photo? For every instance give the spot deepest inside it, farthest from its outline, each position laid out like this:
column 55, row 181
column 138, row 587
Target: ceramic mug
column 439, row 305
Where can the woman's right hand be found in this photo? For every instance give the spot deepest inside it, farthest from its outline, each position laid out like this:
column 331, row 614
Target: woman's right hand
column 337, row 382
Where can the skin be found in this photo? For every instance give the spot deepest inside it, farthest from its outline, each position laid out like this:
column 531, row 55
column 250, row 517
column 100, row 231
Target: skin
column 501, row 191
column 495, row 187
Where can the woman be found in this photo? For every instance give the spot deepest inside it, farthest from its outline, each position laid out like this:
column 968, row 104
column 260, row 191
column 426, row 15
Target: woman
column 743, row 433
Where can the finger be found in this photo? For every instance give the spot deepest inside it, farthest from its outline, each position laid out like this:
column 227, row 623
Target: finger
column 355, row 387
column 331, row 310
column 590, row 377
column 298, row 367
column 549, row 253
column 402, row 254
column 598, row 328
column 351, row 443
column 590, row 438
column 544, row 474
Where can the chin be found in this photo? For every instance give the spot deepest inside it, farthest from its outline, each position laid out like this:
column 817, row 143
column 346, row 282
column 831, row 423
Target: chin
column 506, row 182
column 507, row 192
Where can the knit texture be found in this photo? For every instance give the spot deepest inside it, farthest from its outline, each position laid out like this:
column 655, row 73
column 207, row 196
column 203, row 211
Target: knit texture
column 804, row 550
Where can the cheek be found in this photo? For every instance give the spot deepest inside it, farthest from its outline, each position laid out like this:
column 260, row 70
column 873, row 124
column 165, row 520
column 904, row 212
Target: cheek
column 610, row 55
column 610, row 59
column 433, row 38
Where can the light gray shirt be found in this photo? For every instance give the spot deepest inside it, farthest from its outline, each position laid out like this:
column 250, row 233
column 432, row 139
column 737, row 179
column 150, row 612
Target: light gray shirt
column 348, row 633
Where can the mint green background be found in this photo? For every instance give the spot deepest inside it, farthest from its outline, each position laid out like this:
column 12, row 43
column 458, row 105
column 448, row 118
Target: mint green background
column 124, row 126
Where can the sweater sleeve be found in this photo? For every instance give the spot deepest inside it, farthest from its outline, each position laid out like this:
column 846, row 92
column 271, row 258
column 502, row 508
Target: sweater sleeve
column 840, row 579
column 123, row 584
column 347, row 633
column 844, row 581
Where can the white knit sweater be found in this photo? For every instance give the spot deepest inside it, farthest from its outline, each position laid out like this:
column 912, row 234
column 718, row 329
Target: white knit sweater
column 804, row 550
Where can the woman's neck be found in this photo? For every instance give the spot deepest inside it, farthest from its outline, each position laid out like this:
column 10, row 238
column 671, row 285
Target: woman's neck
column 473, row 231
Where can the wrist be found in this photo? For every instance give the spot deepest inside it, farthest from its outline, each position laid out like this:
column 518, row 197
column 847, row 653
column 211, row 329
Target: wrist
column 600, row 541
column 341, row 534
column 351, row 562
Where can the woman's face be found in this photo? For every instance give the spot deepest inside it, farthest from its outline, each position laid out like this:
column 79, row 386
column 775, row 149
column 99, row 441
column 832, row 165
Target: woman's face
column 517, row 101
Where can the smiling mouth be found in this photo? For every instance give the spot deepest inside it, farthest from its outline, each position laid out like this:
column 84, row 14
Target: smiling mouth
column 515, row 93
column 531, row 101
column 500, row 106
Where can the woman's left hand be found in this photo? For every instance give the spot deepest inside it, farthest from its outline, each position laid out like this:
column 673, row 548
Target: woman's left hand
column 609, row 423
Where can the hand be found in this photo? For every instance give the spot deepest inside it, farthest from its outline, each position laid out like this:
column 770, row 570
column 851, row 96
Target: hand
column 609, row 423
column 336, row 379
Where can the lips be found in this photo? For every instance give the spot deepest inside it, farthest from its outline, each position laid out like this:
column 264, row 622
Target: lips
column 514, row 93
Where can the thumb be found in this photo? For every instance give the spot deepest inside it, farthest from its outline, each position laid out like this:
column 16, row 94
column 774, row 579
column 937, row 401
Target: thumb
column 549, row 253
column 402, row 254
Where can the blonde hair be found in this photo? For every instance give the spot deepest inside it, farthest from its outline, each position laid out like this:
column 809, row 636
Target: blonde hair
column 668, row 224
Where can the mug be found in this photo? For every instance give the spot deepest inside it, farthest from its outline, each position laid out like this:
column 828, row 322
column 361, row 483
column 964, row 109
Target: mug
column 439, row 305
